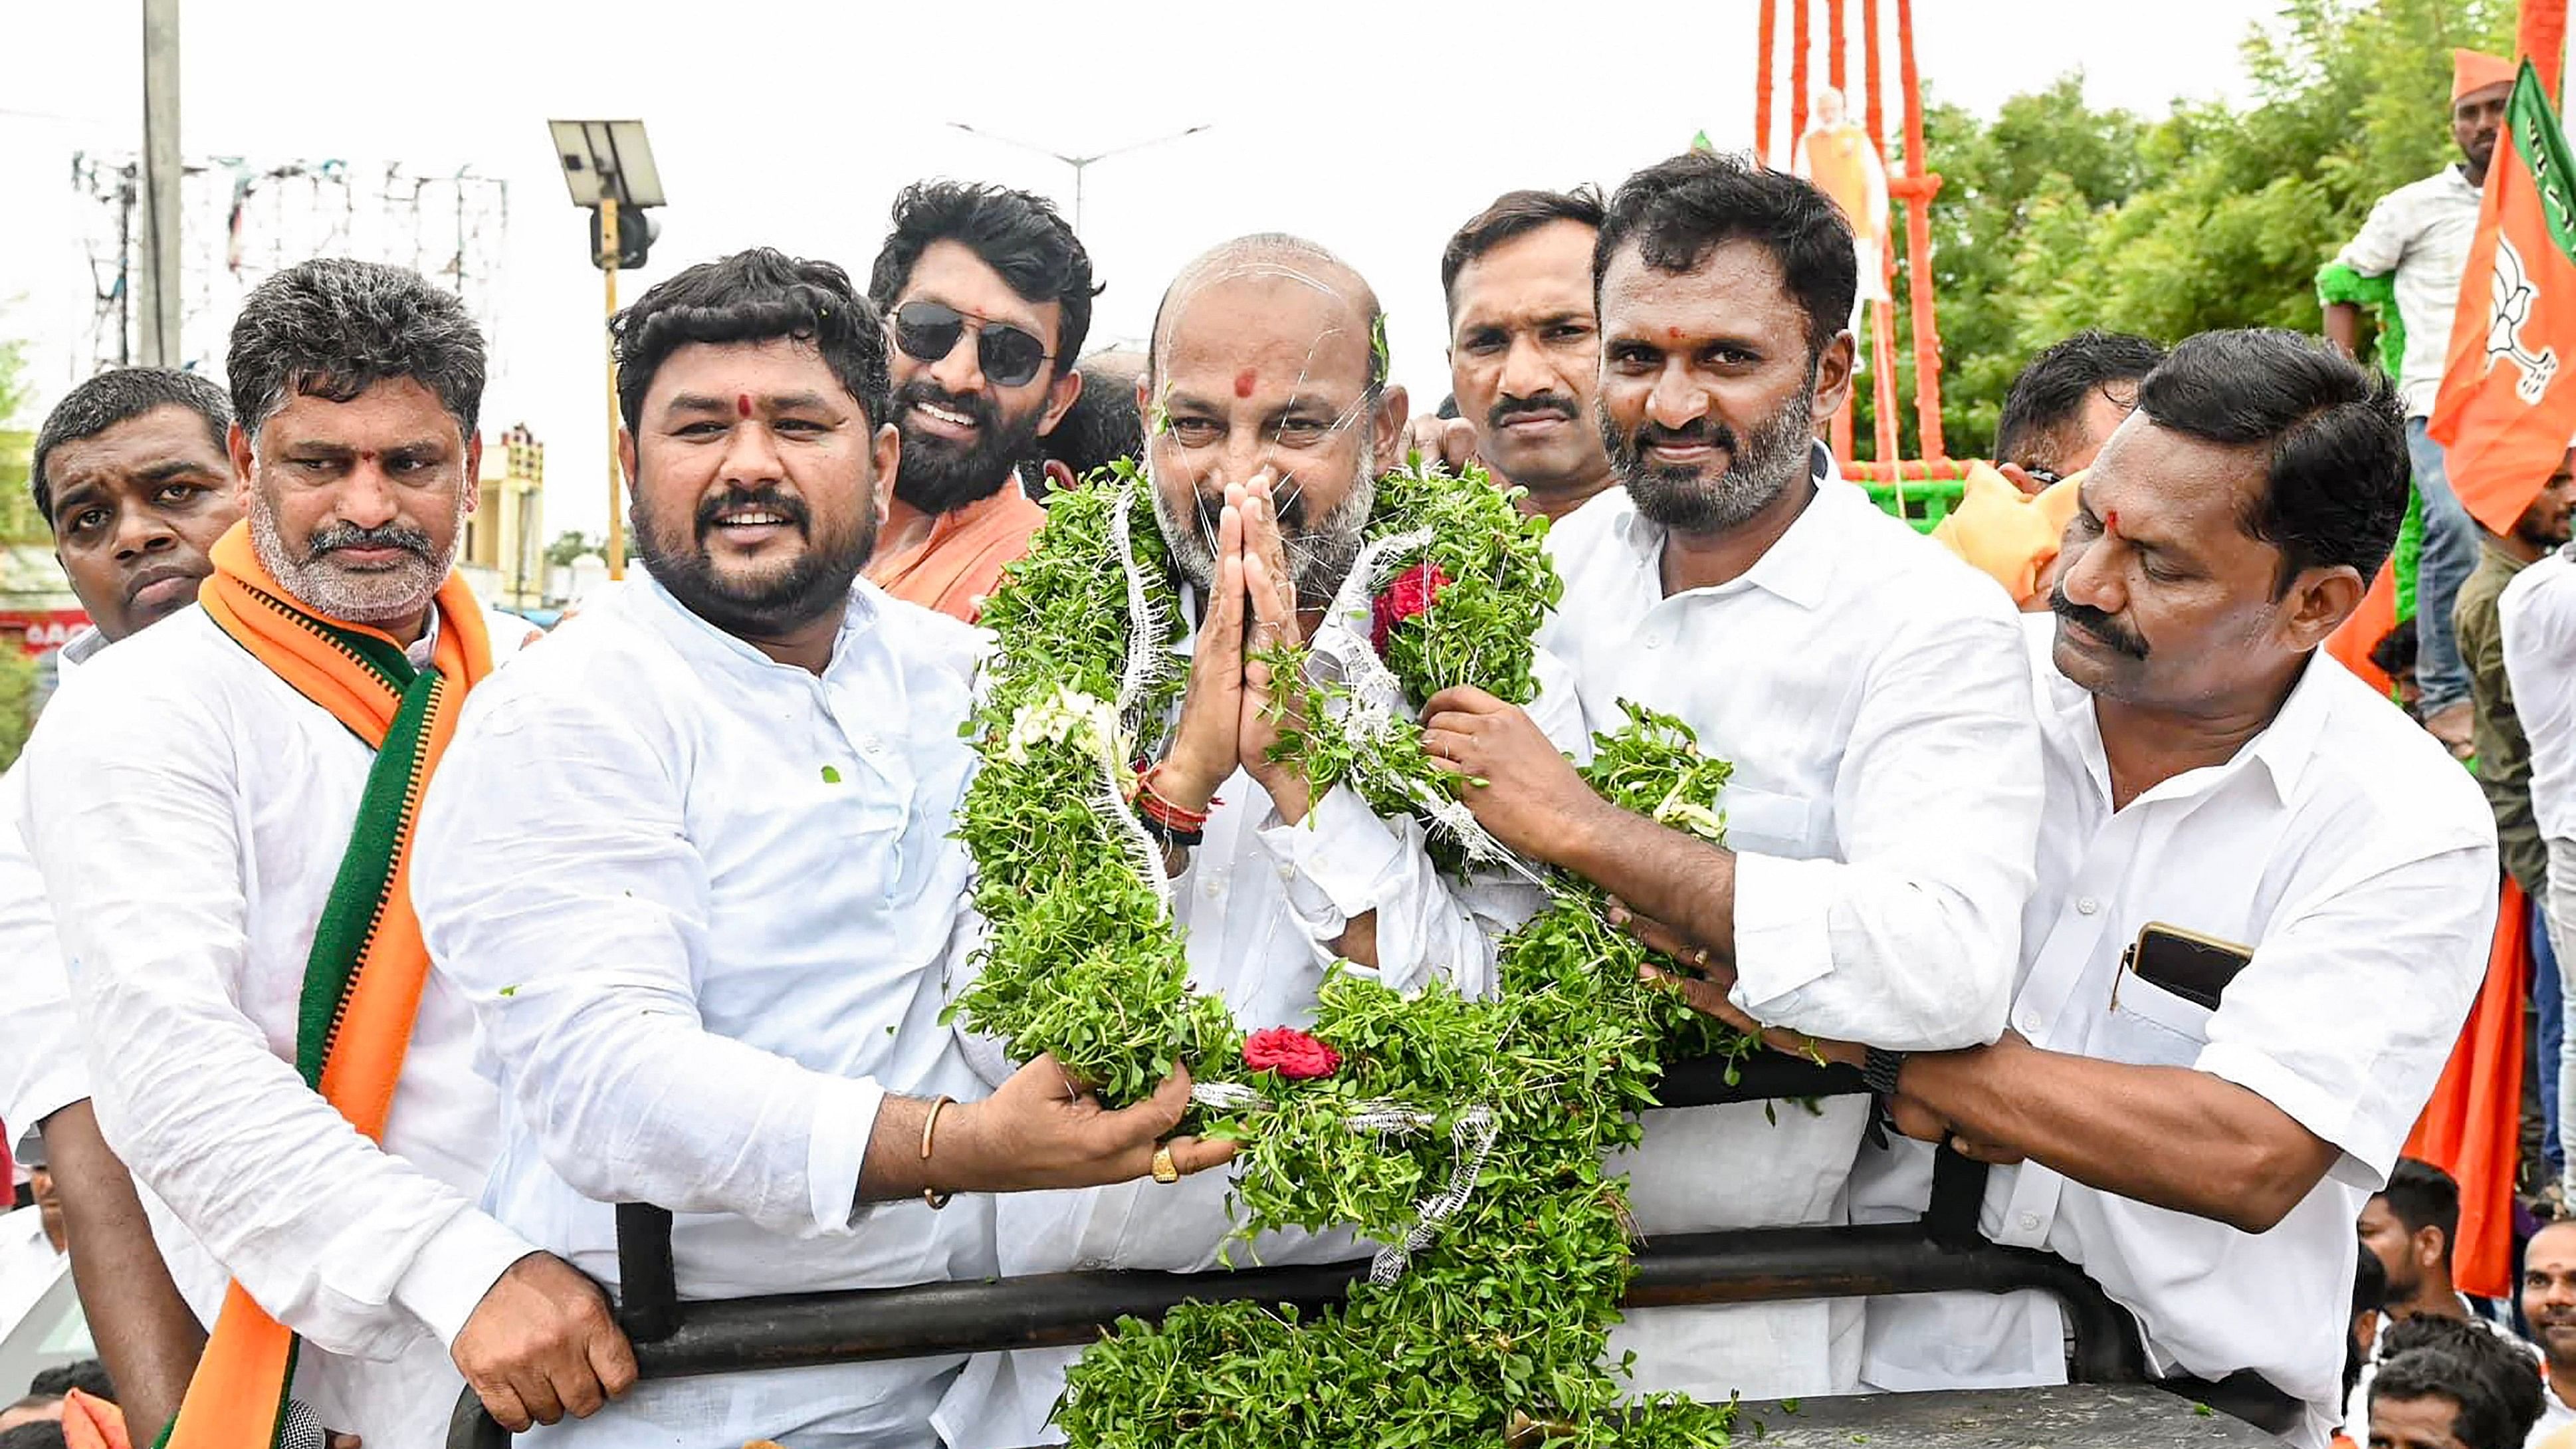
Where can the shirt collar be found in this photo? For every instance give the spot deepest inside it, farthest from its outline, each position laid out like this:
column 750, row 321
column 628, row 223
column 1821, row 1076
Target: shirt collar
column 700, row 640
column 80, row 649
column 424, row 649
column 2494, row 549
column 2283, row 749
column 1798, row 567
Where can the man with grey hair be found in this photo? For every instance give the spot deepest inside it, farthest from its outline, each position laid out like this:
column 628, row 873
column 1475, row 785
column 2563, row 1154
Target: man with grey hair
column 1269, row 415
column 222, row 808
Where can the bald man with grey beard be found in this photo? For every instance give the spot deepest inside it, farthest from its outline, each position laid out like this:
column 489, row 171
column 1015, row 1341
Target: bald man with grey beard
column 1269, row 411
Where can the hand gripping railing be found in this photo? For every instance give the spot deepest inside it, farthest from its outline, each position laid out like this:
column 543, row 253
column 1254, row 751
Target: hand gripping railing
column 1941, row 1253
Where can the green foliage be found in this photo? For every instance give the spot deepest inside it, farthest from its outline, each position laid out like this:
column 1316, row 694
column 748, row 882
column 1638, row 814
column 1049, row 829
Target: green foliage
column 17, row 703
column 2055, row 216
column 570, row 545
column 1506, row 1311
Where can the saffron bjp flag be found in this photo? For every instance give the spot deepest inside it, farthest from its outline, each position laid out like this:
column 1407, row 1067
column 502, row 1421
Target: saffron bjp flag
column 2507, row 405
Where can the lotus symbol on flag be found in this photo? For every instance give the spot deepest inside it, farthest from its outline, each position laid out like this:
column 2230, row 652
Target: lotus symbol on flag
column 2513, row 299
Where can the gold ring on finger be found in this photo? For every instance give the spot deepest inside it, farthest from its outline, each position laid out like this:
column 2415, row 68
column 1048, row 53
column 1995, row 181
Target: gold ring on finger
column 1166, row 1171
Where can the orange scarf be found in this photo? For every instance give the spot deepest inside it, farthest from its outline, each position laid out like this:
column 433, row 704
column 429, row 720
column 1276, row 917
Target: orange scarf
column 363, row 982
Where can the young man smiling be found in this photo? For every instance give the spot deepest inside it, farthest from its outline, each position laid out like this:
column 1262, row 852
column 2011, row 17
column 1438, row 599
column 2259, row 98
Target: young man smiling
column 987, row 298
column 694, row 867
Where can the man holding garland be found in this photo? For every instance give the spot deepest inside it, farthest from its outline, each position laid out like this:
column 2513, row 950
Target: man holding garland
column 694, row 866
column 1856, row 676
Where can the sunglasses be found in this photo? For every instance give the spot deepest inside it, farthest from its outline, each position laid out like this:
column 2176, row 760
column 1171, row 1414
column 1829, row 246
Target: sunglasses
column 1007, row 355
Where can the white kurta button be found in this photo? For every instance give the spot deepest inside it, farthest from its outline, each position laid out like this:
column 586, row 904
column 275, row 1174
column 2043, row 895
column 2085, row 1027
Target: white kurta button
column 2088, row 905
column 2030, row 1222
column 1214, row 889
column 2027, row 1023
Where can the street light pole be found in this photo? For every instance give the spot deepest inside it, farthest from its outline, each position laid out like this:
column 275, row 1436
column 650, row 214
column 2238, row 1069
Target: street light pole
column 608, row 268
column 1079, row 164
column 157, row 279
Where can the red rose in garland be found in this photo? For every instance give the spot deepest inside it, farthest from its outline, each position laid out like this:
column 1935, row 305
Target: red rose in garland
column 1291, row 1053
column 1413, row 592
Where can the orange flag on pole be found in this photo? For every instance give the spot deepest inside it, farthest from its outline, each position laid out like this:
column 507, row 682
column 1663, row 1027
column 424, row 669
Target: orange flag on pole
column 2508, row 400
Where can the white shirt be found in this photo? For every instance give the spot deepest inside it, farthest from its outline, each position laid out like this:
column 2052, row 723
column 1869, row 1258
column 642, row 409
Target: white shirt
column 2357, row 861
column 52, row 1072
column 44, row 1071
column 190, row 811
column 2421, row 231
column 2537, row 612
column 1871, row 691
column 703, row 904
column 1258, row 905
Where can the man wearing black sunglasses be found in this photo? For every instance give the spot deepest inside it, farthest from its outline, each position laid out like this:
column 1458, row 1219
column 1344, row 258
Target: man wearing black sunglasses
column 987, row 296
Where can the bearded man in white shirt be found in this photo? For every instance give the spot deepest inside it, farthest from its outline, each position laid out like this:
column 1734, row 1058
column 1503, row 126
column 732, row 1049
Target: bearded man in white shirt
column 130, row 474
column 1274, row 417
column 694, row 867
column 1869, row 688
column 2264, row 905
column 242, row 958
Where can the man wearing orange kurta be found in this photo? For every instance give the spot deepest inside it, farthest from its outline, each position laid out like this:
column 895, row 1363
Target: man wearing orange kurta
column 987, row 295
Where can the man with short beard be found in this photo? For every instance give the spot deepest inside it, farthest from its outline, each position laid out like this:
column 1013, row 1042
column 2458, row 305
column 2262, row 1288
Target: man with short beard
column 222, row 807
column 1870, row 690
column 987, row 298
column 693, row 866
column 1273, row 414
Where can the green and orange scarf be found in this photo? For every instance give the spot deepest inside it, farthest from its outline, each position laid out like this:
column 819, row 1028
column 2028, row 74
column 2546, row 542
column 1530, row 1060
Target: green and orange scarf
column 363, row 979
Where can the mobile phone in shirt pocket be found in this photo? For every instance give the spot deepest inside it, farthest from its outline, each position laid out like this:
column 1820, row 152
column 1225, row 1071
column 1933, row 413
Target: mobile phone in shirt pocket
column 1770, row 824
column 2169, row 985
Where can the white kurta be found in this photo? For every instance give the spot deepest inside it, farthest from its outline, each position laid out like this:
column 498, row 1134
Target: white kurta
column 190, row 811
column 45, row 1071
column 1872, row 694
column 703, row 904
column 1258, row 904
column 2358, row 862
column 36, row 1008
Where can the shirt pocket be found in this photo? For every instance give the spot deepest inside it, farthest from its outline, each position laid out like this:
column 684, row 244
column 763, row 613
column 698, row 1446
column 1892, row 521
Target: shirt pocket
column 1771, row 824
column 2151, row 1026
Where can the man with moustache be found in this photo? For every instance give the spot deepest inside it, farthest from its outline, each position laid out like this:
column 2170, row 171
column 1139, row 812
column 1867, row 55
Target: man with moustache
column 129, row 472
column 2236, row 831
column 1274, row 417
column 987, row 298
column 692, row 865
column 1525, row 348
column 221, row 808
column 1870, row 690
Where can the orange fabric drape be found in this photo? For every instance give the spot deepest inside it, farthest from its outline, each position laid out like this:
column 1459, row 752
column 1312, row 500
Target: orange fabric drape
column 2472, row 1128
column 2351, row 644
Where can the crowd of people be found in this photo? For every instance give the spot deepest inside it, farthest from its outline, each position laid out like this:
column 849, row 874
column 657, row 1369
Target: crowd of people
column 378, row 945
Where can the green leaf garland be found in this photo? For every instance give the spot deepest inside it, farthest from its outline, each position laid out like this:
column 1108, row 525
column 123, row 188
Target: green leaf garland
column 1502, row 1320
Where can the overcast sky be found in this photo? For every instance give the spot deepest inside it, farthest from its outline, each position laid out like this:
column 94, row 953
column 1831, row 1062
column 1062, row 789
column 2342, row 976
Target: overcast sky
column 1374, row 128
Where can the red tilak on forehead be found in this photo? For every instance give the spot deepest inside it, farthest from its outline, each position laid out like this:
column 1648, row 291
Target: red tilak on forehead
column 742, row 403
column 1243, row 383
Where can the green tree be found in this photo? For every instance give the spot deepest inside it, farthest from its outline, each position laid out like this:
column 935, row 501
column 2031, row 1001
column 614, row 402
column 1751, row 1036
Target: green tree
column 570, row 545
column 2055, row 216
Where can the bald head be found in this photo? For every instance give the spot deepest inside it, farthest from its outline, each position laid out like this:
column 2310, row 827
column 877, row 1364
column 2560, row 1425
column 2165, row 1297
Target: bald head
column 1317, row 284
